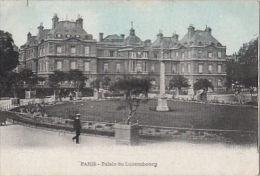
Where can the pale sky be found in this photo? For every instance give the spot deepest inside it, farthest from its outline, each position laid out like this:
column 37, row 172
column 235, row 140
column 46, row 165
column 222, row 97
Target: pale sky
column 233, row 22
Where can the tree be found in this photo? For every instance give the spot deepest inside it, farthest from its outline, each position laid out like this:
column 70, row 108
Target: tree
column 134, row 90
column 14, row 82
column 96, row 84
column 8, row 61
column 106, row 80
column 243, row 66
column 8, row 57
column 77, row 77
column 29, row 78
column 203, row 84
column 178, row 82
column 10, row 84
column 55, row 80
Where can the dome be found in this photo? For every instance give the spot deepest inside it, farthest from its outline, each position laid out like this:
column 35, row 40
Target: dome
column 132, row 39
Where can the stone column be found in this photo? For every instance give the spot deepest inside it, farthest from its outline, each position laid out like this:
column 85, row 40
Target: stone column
column 162, row 100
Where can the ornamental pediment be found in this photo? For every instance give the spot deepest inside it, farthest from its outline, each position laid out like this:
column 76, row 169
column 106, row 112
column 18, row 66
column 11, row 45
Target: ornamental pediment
column 73, row 39
column 182, row 47
column 211, row 45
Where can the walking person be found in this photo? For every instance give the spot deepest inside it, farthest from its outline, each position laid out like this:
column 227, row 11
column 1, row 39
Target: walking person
column 77, row 128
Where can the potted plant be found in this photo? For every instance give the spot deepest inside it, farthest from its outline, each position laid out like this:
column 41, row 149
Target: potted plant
column 135, row 92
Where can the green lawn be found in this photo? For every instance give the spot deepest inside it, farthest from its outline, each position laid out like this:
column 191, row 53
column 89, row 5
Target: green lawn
column 182, row 114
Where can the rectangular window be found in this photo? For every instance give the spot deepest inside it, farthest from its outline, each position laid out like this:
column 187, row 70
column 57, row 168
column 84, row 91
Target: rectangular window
column 133, row 66
column 219, row 54
column 174, row 68
column 219, row 84
column 46, row 50
column 133, row 54
column 58, row 49
column 86, row 50
column 210, row 68
column 111, row 53
column 118, row 65
column 106, row 53
column 210, row 55
column 59, row 65
column 42, row 50
column 176, row 54
column 182, row 69
column 86, row 66
column 152, row 68
column 200, row 68
column 183, row 55
column 72, row 50
column 189, row 54
column 43, row 66
column 47, row 66
column 138, row 67
column 165, row 55
column 155, row 55
column 105, row 67
column 39, row 68
column 73, row 65
column 219, row 68
column 145, row 54
column 145, row 66
column 139, row 54
column 189, row 68
column 199, row 54
column 172, row 54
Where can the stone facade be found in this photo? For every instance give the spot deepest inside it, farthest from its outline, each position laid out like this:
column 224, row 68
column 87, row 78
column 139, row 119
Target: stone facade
column 68, row 46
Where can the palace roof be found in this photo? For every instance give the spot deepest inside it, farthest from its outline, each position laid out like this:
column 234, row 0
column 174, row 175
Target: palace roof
column 199, row 38
column 68, row 27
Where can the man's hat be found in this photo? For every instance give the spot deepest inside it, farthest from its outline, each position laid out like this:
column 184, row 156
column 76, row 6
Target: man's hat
column 77, row 114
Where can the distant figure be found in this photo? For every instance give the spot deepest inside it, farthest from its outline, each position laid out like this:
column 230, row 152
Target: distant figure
column 77, row 128
column 251, row 89
column 70, row 95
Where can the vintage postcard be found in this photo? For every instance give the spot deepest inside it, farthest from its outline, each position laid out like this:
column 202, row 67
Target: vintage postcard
column 129, row 87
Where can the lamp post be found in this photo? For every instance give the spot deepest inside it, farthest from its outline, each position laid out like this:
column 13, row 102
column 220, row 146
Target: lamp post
column 162, row 100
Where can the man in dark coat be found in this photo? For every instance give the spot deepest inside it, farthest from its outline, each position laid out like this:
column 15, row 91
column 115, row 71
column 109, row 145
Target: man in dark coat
column 77, row 128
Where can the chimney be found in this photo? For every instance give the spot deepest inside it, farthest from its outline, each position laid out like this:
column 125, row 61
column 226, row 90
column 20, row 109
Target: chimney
column 175, row 37
column 123, row 36
column 79, row 21
column 40, row 29
column 208, row 29
column 101, row 36
column 159, row 37
column 191, row 31
column 55, row 20
column 29, row 35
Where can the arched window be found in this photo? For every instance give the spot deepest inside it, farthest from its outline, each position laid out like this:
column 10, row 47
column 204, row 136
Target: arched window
column 58, row 35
